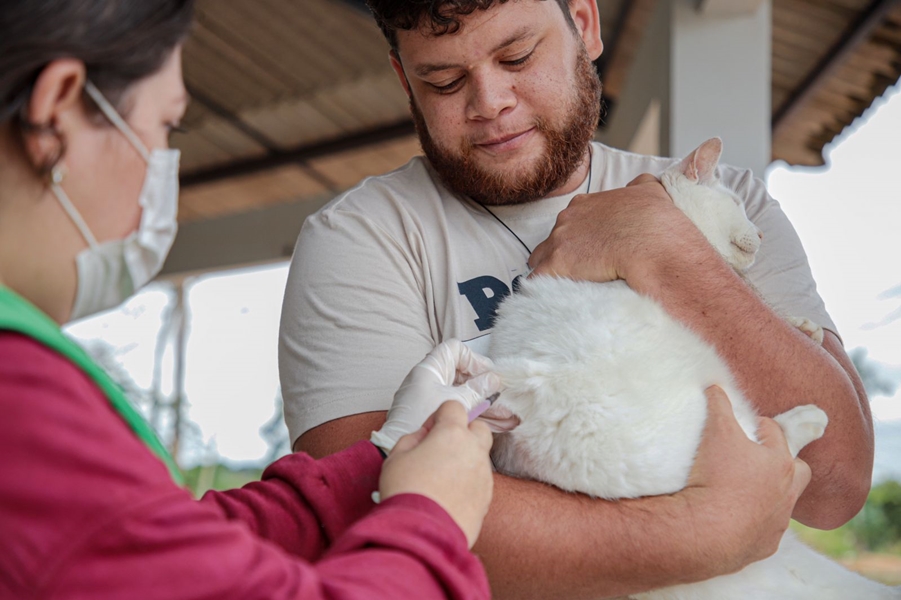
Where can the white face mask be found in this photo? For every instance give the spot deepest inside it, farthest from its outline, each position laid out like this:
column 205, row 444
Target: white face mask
column 110, row 272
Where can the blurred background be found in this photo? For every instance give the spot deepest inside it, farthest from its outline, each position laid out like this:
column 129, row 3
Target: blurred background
column 294, row 102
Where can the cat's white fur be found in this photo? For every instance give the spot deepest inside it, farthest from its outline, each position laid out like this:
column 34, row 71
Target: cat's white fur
column 609, row 393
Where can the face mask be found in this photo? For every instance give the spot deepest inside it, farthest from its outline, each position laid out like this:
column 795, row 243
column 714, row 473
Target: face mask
column 110, row 272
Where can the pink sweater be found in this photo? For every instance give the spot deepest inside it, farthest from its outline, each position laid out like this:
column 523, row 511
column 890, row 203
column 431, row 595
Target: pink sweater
column 86, row 511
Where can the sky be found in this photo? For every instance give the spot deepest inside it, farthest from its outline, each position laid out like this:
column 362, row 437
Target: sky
column 847, row 214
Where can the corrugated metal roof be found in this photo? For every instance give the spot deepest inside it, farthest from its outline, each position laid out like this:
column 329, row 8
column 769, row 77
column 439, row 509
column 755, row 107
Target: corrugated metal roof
column 831, row 59
column 298, row 100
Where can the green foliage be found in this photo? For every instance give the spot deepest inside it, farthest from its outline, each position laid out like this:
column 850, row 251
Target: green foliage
column 218, row 477
column 879, row 522
column 838, row 543
column 876, row 528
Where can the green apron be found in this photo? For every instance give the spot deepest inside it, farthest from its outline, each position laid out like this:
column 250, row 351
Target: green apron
column 20, row 316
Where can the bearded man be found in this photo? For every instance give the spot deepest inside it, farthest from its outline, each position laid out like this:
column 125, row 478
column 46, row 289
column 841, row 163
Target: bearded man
column 506, row 101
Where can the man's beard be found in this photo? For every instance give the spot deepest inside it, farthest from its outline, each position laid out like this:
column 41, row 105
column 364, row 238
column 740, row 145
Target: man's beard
column 565, row 150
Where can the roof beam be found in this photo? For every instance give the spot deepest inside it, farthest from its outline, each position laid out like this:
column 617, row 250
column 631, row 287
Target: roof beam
column 299, row 156
column 854, row 36
column 728, row 8
column 231, row 118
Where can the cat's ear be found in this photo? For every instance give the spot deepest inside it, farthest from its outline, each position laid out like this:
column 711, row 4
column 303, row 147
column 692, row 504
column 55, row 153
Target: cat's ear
column 700, row 165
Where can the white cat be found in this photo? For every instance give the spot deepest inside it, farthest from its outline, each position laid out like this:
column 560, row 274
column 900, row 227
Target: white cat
column 609, row 392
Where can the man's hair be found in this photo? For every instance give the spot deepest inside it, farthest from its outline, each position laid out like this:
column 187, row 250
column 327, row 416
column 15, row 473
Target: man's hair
column 439, row 16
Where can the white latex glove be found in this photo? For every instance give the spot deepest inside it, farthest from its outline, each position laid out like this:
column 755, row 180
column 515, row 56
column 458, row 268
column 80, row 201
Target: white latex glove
column 451, row 371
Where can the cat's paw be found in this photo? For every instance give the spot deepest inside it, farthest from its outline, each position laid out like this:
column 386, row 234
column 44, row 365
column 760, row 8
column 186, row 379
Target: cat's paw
column 814, row 331
column 802, row 425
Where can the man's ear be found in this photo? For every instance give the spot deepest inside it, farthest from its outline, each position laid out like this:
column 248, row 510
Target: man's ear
column 55, row 101
column 398, row 67
column 588, row 25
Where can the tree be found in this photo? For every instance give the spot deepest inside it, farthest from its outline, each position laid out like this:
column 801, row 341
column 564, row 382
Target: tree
column 275, row 432
column 878, row 525
column 878, row 379
column 105, row 355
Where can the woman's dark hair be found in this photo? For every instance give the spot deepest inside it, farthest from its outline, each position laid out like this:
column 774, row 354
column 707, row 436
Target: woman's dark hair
column 441, row 16
column 119, row 41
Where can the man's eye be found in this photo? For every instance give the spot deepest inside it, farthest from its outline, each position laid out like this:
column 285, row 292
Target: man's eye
column 519, row 61
column 446, row 89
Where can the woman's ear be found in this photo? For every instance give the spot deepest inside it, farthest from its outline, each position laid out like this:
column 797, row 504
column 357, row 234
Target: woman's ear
column 588, row 25
column 52, row 110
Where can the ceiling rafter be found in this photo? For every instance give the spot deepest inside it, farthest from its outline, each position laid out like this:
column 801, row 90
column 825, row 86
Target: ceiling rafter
column 272, row 149
column 300, row 155
column 855, row 34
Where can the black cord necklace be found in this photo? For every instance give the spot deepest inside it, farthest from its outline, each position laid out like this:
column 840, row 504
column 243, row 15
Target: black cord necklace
column 513, row 233
column 507, row 227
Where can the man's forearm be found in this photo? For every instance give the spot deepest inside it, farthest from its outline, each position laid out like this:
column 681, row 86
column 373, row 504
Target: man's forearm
column 540, row 542
column 573, row 546
column 779, row 367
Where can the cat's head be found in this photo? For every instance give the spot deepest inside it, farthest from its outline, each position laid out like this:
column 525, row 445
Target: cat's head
column 717, row 211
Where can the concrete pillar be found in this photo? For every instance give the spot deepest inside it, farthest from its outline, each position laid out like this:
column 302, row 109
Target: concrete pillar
column 698, row 74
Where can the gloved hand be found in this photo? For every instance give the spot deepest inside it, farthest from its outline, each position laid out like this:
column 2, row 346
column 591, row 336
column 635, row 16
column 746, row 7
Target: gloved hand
column 451, row 371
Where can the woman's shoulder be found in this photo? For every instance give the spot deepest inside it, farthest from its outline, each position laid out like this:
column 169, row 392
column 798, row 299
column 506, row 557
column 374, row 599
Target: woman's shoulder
column 46, row 395
column 21, row 354
column 66, row 451
column 29, row 362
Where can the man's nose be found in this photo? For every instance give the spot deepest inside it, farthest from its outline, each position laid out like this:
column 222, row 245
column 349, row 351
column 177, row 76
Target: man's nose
column 489, row 97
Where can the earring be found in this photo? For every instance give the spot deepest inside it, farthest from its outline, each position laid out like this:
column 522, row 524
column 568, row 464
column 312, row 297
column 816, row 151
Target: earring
column 57, row 174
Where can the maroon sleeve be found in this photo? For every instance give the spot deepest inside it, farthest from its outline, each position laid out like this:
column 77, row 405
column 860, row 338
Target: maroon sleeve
column 303, row 505
column 86, row 511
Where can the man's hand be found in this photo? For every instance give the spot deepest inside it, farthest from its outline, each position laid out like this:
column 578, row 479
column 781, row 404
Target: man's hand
column 608, row 235
column 740, row 494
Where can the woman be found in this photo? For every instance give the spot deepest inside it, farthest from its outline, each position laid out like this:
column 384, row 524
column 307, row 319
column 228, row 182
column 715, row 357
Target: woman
column 89, row 503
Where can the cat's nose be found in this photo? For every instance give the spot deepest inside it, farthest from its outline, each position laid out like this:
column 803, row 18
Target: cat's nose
column 760, row 235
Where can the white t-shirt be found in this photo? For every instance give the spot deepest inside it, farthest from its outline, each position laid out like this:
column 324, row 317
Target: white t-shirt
column 398, row 264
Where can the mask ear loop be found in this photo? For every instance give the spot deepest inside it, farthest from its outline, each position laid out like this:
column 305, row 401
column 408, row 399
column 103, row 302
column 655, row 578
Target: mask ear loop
column 57, row 174
column 116, row 120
